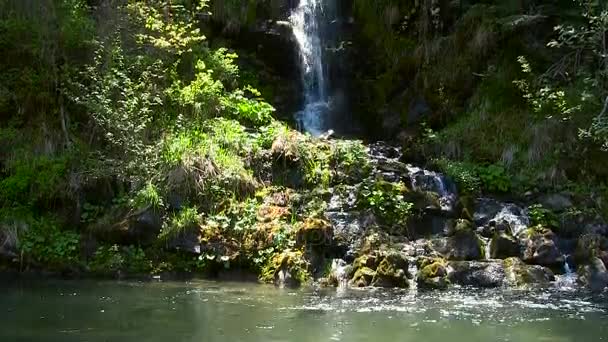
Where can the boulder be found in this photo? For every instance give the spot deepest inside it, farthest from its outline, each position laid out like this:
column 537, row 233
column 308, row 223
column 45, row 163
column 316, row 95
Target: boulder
column 367, row 260
column 593, row 275
column 391, row 272
column 504, row 246
column 518, row 274
column 464, row 244
column 540, row 247
column 478, row 274
column 286, row 269
column 144, row 227
column 363, row 277
column 432, row 273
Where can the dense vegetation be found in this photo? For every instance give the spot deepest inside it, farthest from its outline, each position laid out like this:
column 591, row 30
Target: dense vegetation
column 513, row 88
column 131, row 142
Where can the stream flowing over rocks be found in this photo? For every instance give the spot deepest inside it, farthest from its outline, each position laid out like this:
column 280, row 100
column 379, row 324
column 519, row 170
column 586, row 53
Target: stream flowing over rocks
column 490, row 244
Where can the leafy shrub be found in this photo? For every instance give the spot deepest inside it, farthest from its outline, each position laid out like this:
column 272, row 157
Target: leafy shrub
column 45, row 243
column 178, row 223
column 350, row 159
column 386, row 200
column 540, row 216
column 464, row 175
column 115, row 259
column 148, row 197
column 31, row 179
column 494, row 178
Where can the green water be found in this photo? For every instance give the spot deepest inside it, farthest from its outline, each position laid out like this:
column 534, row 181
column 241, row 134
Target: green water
column 205, row 311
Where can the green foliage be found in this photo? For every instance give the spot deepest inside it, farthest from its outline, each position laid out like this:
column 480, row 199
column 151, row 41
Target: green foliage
column 540, row 216
column 180, row 222
column 115, row 259
column 464, row 174
column 494, row 178
column 386, row 200
column 50, row 246
column 350, row 159
column 32, row 179
column 148, row 197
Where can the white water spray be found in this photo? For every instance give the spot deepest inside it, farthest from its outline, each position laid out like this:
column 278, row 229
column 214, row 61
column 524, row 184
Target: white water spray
column 306, row 23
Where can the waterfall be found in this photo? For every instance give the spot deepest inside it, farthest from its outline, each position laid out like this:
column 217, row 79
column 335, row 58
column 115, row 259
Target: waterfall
column 306, row 20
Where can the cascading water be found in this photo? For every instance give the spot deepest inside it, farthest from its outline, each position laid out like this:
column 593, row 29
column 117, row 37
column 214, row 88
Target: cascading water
column 306, row 20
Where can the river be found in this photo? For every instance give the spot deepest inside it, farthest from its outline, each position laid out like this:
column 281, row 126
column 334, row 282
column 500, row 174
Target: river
column 53, row 310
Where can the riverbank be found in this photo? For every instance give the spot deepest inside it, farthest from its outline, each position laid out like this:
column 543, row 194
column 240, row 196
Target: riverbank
column 339, row 213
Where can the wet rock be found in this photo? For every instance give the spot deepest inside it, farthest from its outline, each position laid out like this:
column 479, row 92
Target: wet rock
column 144, row 227
column 432, row 273
column 593, row 275
column 491, row 212
column 429, row 224
column 479, row 274
column 464, row 244
column 363, row 277
column 518, row 274
column 503, row 246
column 444, row 190
column 391, row 272
column 540, row 248
column 590, row 246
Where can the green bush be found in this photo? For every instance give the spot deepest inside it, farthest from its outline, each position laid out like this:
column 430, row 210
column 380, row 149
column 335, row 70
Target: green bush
column 540, row 216
column 46, row 244
column 115, row 259
column 386, row 200
column 494, row 178
column 463, row 174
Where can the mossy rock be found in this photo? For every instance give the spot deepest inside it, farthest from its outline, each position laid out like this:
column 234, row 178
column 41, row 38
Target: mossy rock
column 314, row 232
column 366, row 260
column 432, row 273
column 518, row 274
column 363, row 277
column 540, row 248
column 286, row 269
column 504, row 246
column 392, row 272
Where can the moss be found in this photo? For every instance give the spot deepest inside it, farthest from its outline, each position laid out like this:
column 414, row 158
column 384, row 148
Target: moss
column 314, row 232
column 366, row 260
column 290, row 261
column 391, row 272
column 363, row 277
column 432, row 273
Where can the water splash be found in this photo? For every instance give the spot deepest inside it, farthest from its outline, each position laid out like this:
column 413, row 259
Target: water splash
column 566, row 281
column 306, row 21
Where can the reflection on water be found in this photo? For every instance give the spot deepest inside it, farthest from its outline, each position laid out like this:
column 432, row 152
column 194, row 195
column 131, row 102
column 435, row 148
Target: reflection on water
column 206, row 311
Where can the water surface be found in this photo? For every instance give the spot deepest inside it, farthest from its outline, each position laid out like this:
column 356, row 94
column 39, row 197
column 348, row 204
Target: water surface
column 207, row 311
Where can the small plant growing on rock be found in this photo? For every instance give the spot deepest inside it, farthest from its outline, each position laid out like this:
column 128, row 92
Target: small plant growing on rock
column 540, row 216
column 386, row 200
